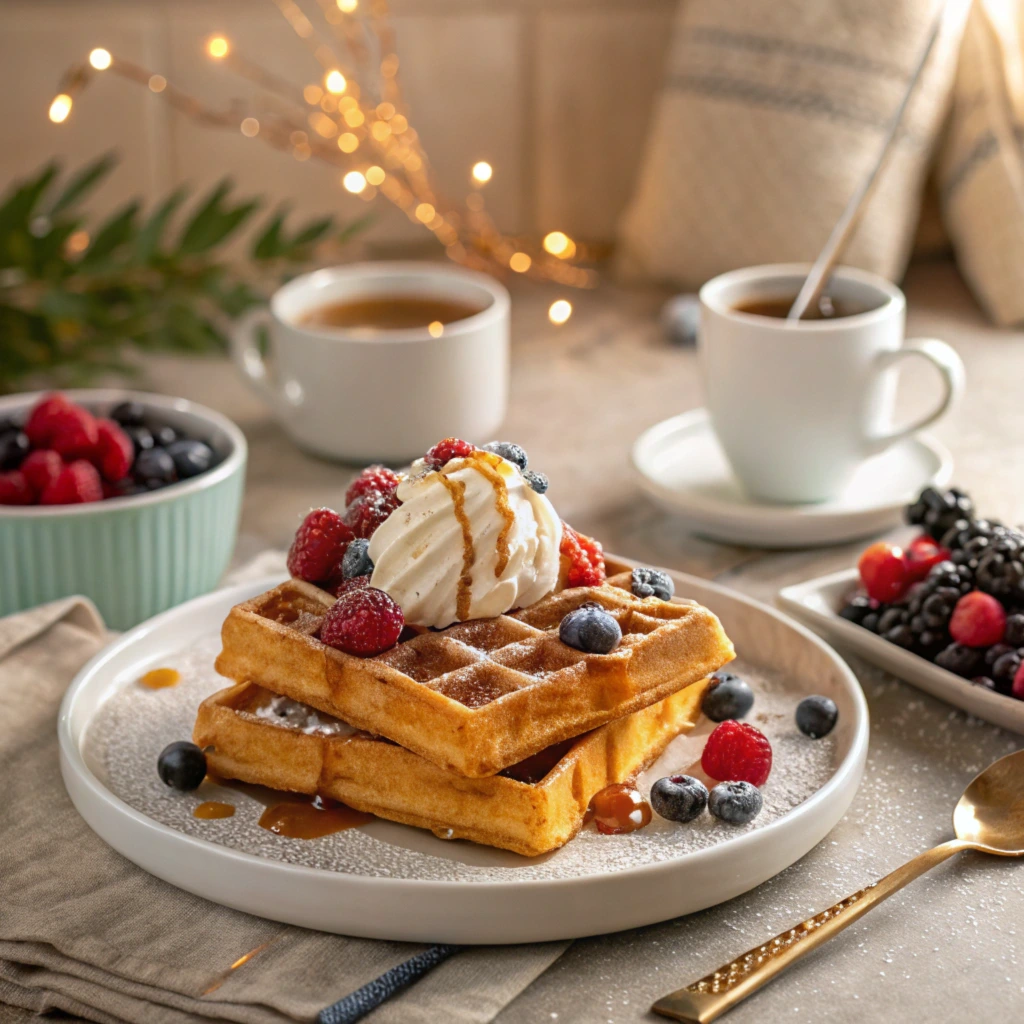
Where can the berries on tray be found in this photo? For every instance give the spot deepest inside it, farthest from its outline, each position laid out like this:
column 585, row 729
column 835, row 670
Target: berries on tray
column 978, row 620
column 507, row 450
column 679, row 797
column 448, row 449
column 125, row 452
column 727, row 696
column 736, row 751
column 182, row 766
column 923, row 554
column 960, row 660
column 936, row 511
column 652, row 583
column 884, row 571
column 584, row 557
column 590, row 629
column 356, row 560
column 319, row 546
column 374, row 479
column 364, row 621
column 1000, row 570
column 816, row 716
column 735, row 802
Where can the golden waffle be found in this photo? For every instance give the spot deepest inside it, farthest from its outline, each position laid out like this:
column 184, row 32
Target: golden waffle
column 530, row 808
column 480, row 695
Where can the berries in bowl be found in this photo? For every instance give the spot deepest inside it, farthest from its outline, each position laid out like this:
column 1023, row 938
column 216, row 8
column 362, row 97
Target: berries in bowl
column 129, row 498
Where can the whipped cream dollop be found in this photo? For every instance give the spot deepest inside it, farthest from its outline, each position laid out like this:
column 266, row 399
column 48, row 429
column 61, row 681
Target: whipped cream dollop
column 471, row 540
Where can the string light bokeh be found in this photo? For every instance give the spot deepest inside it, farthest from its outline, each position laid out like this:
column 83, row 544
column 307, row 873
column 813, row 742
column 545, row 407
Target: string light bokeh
column 354, row 117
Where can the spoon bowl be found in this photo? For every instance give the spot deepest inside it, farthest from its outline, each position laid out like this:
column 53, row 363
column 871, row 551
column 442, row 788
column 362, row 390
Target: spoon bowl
column 990, row 814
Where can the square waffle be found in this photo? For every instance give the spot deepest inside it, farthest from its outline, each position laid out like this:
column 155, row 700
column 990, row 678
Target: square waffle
column 480, row 695
column 530, row 808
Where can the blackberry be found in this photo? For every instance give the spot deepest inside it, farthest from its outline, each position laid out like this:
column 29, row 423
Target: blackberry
column 1000, row 569
column 961, row 660
column 951, row 574
column 965, row 531
column 857, row 608
column 937, row 511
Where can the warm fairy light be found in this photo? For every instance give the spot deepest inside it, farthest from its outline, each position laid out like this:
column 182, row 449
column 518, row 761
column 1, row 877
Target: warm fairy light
column 250, row 127
column 560, row 311
column 375, row 175
column 354, row 182
column 398, row 124
column 347, row 142
column 157, row 83
column 435, row 328
column 329, row 103
column 217, row 47
column 380, row 130
column 354, row 117
column 78, row 241
column 520, row 262
column 323, row 125
column 558, row 243
column 334, row 81
column 302, row 152
column 386, row 111
column 425, row 213
column 60, row 108
column 100, row 59
column 347, row 6
column 482, row 171
column 312, row 94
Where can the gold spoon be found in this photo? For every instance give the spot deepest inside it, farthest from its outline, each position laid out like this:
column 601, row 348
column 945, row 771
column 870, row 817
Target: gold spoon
column 988, row 818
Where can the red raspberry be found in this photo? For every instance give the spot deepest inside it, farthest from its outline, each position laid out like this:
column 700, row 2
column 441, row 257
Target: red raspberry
column 585, row 556
column 884, row 572
column 319, row 546
column 737, row 752
column 922, row 554
column 448, row 449
column 365, row 621
column 15, row 488
column 373, row 480
column 40, row 426
column 1018, row 684
column 979, row 620
column 41, row 468
column 78, row 482
column 74, row 432
column 114, row 452
column 340, row 585
column 365, row 514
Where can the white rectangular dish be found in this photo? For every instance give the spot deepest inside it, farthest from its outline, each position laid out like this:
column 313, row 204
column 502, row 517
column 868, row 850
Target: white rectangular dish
column 817, row 603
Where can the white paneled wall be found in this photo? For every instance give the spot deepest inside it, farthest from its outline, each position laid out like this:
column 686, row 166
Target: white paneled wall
column 555, row 94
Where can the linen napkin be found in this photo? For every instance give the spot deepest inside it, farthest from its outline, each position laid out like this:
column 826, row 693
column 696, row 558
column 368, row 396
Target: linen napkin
column 85, row 931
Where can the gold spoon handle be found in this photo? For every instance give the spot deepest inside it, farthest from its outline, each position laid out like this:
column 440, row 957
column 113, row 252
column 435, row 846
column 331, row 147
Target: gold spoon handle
column 707, row 999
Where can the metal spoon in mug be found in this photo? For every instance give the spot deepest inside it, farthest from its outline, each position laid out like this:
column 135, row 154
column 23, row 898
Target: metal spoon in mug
column 818, row 277
column 988, row 818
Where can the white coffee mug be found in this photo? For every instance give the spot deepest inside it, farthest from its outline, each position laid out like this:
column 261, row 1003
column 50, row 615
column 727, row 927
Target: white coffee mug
column 360, row 394
column 798, row 406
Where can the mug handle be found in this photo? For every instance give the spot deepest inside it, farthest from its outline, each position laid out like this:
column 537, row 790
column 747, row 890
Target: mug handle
column 245, row 353
column 951, row 368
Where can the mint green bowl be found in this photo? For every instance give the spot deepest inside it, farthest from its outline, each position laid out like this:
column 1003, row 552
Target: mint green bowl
column 134, row 556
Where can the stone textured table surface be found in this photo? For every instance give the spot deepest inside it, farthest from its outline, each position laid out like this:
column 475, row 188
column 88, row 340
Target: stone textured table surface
column 946, row 947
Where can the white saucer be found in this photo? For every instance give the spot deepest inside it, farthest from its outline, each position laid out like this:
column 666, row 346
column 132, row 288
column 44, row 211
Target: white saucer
column 390, row 881
column 680, row 464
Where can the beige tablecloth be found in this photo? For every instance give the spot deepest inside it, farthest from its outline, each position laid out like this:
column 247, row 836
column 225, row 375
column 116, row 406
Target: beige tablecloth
column 85, row 931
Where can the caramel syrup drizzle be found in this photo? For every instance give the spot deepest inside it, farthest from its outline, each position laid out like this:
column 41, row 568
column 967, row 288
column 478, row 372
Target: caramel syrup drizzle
column 457, row 490
column 485, row 464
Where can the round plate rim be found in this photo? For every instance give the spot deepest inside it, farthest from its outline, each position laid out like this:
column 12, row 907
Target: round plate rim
column 76, row 773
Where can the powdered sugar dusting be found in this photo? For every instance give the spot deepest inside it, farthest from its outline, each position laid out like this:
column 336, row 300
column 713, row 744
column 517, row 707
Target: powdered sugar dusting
column 129, row 731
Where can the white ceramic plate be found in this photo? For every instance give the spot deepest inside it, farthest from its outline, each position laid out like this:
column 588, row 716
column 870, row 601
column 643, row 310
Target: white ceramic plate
column 680, row 464
column 817, row 602
column 405, row 884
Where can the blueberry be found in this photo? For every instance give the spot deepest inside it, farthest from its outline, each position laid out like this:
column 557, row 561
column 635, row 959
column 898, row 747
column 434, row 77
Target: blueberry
column 182, row 765
column 357, row 559
column 508, row 450
column 735, row 802
column 538, row 481
column 190, row 457
column 870, row 621
column 652, row 583
column 680, row 319
column 163, row 436
column 154, row 468
column 727, row 697
column 816, row 716
column 141, row 437
column 128, row 414
column 856, row 609
column 13, row 448
column 1015, row 630
column 960, row 659
column 679, row 797
column 591, row 629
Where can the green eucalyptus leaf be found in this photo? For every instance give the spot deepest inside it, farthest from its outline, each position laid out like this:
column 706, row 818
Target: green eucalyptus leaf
column 84, row 182
column 114, row 233
column 268, row 243
column 151, row 234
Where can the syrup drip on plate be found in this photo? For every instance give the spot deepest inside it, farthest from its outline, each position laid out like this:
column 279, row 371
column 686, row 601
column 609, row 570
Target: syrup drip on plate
column 318, row 817
column 618, row 809
column 161, row 678
column 213, row 809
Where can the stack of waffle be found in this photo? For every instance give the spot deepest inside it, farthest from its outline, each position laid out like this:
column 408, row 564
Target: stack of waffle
column 491, row 730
